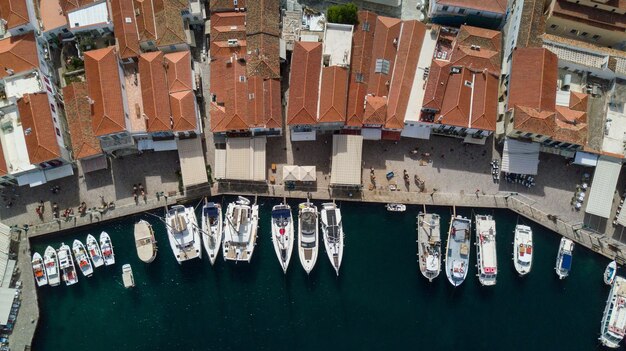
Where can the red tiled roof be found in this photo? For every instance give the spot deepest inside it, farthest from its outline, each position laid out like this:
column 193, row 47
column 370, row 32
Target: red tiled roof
column 409, row 49
column 375, row 110
column 178, row 67
column 436, row 84
column 183, row 110
column 14, row 12
column 588, row 15
column 264, row 57
column 455, row 107
column 221, row 49
column 304, row 81
column 221, row 5
column 476, row 59
column 228, row 112
column 362, row 43
column 534, row 76
column 51, row 14
column 3, row 163
column 578, row 101
column 105, row 90
column 78, row 113
column 18, row 53
column 126, row 33
column 39, row 132
column 484, row 102
column 387, row 31
column 71, row 5
column 228, row 25
column 495, row 6
column 487, row 39
column 333, row 98
column 530, row 120
column 263, row 17
column 264, row 105
column 154, row 92
column 146, row 23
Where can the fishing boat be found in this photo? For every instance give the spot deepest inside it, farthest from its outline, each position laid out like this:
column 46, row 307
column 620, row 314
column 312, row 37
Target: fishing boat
column 486, row 250
column 613, row 325
column 523, row 249
column 564, row 258
column 94, row 251
column 282, row 234
column 333, row 233
column 610, row 272
column 144, row 241
column 429, row 245
column 308, row 235
column 240, row 230
column 67, row 265
column 107, row 249
column 458, row 250
column 127, row 276
column 396, row 207
column 183, row 233
column 212, row 229
column 38, row 270
column 80, row 254
column 51, row 263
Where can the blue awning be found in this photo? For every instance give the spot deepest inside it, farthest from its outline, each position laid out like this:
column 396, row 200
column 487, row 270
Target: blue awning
column 281, row 213
column 567, row 262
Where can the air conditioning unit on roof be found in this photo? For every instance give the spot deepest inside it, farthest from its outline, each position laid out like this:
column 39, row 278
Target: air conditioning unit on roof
column 233, row 42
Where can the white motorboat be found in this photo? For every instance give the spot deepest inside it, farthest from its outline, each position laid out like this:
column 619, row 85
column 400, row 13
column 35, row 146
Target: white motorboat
column 183, row 233
column 429, row 245
column 38, row 270
column 82, row 259
column 308, row 235
column 94, row 251
column 107, row 249
column 240, row 230
column 523, row 249
column 212, row 229
column 613, row 325
column 332, row 229
column 564, row 258
column 127, row 276
column 144, row 241
column 610, row 272
column 66, row 264
column 486, row 250
column 396, row 207
column 458, row 250
column 282, row 234
column 51, row 263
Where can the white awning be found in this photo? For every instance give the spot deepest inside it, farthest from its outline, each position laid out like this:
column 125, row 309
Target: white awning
column 7, row 295
column 245, row 159
column 219, row 171
column 520, row 157
column 33, row 178
column 346, row 162
column 308, row 173
column 621, row 218
column 302, row 136
column 603, row 187
column 291, row 173
column 585, row 159
column 418, row 131
column 371, row 133
column 165, row 145
column 471, row 140
column 192, row 165
column 94, row 164
column 145, row 144
column 59, row 172
column 5, row 244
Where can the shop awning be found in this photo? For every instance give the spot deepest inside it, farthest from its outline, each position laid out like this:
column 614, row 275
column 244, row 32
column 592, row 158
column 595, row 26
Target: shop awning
column 94, row 164
column 308, row 173
column 192, row 165
column 33, row 178
column 6, row 266
column 417, row 131
column 243, row 159
column 165, row 145
column 603, row 187
column 346, row 161
column 371, row 133
column 7, row 295
column 520, row 157
column 291, row 173
column 59, row 172
column 585, row 159
column 219, row 171
column 302, row 136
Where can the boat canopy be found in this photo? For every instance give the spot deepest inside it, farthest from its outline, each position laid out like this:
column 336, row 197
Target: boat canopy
column 566, row 263
column 210, row 210
column 281, row 213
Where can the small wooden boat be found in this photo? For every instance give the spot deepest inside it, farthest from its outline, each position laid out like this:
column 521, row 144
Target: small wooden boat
column 127, row 276
column 610, row 272
column 396, row 207
column 144, row 241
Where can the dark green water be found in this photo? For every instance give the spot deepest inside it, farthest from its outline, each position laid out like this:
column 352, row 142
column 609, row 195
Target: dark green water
column 380, row 301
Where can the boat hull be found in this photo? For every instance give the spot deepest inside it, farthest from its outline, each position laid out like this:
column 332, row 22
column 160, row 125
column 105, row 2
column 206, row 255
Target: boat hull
column 185, row 243
column 240, row 233
column 610, row 273
column 282, row 240
column 66, row 265
column 52, row 266
column 145, row 242
column 212, row 233
column 486, row 256
column 94, row 251
column 523, row 249
column 458, row 250
column 39, row 270
column 82, row 258
column 106, row 246
column 429, row 245
column 308, row 249
column 333, row 243
column 564, row 258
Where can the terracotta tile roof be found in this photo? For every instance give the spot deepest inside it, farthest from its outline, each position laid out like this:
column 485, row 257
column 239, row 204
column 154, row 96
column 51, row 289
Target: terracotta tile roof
column 105, row 90
column 528, row 119
column 71, row 5
column 225, row 5
column 127, row 34
column 304, row 81
column 436, row 84
column 273, row 104
column 178, row 67
column 228, row 25
column 263, row 16
column 534, row 76
column 39, row 132
column 375, row 110
column 78, row 113
column 183, row 110
column 264, row 104
column 495, row 6
column 362, row 43
column 476, row 59
column 51, row 14
column 3, row 163
column 485, row 38
column 154, row 91
column 409, row 49
column 333, row 97
column 18, row 53
column 595, row 17
column 263, row 59
column 14, row 12
column 146, row 23
column 228, row 111
column 170, row 28
column 578, row 101
column 387, row 31
column 223, row 50
column 571, row 126
column 455, row 107
column 532, row 24
column 484, row 102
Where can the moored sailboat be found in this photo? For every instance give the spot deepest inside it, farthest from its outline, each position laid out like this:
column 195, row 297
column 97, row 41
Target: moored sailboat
column 38, row 270
column 183, row 233
column 212, row 229
column 458, row 250
column 429, row 245
column 308, row 235
column 84, row 264
column 282, row 234
column 240, row 230
column 523, row 249
column 332, row 229
column 486, row 250
column 51, row 263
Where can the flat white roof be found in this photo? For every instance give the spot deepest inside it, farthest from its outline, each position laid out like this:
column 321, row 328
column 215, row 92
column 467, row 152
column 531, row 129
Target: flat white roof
column 416, row 99
column 338, row 44
column 603, row 187
column 315, row 23
column 243, row 159
column 192, row 165
column 17, row 86
column 346, row 162
column 13, row 142
column 615, row 125
column 89, row 15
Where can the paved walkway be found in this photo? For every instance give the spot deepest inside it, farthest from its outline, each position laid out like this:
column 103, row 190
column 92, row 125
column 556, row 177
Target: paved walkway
column 28, row 315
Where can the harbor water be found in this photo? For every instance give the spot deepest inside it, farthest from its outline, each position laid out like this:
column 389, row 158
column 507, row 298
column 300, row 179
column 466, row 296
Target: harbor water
column 380, row 301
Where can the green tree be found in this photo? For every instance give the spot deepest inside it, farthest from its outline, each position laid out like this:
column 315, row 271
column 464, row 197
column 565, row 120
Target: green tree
column 345, row 14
